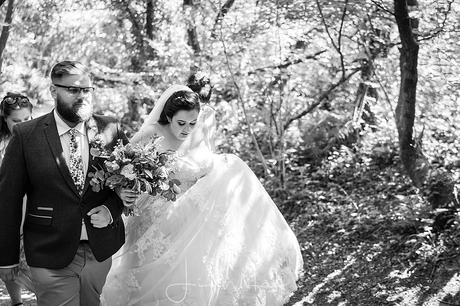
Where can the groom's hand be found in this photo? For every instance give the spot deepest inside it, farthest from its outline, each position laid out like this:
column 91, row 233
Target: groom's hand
column 9, row 274
column 100, row 216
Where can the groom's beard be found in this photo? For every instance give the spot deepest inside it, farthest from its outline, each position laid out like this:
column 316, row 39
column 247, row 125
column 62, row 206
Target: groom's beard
column 79, row 111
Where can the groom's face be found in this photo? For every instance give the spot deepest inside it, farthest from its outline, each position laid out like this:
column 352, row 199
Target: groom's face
column 73, row 97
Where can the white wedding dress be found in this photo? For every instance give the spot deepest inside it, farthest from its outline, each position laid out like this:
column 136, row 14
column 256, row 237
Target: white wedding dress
column 222, row 242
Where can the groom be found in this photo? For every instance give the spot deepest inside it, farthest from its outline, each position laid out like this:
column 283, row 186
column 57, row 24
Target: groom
column 70, row 232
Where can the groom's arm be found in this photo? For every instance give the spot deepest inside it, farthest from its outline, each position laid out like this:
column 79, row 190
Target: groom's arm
column 13, row 182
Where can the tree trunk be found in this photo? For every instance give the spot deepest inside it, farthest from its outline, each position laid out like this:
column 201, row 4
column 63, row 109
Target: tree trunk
column 405, row 109
column 6, row 30
column 149, row 11
column 193, row 41
column 364, row 94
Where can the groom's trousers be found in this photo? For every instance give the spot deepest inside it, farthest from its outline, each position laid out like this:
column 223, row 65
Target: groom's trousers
column 78, row 284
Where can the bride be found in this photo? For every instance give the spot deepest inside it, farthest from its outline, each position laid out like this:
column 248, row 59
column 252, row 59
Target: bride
column 222, row 242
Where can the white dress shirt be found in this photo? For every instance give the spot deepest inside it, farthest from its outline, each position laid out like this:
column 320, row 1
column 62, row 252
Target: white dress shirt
column 64, row 136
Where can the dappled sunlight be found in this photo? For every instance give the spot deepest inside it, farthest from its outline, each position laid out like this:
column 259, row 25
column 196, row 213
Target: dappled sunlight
column 310, row 298
column 452, row 288
column 406, row 296
column 28, row 297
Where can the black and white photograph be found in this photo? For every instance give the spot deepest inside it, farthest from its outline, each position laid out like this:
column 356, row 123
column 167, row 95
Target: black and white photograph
column 229, row 153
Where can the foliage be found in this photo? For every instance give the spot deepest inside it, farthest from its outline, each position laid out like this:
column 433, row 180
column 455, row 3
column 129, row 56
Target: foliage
column 287, row 75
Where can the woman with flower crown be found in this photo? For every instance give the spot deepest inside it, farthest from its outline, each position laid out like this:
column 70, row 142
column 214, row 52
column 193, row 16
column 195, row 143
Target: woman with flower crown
column 222, row 242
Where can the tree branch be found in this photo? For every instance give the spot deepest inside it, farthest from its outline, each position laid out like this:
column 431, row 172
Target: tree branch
column 326, row 26
column 387, row 97
column 443, row 25
column 321, row 98
column 243, row 107
column 383, row 8
column 339, row 39
column 222, row 12
column 287, row 63
column 337, row 46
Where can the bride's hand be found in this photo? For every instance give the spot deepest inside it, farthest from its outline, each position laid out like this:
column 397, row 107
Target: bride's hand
column 128, row 196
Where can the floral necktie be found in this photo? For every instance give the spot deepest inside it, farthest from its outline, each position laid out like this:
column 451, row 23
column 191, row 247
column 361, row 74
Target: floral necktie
column 76, row 161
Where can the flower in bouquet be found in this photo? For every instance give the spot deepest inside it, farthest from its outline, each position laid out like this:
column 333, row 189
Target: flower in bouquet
column 139, row 168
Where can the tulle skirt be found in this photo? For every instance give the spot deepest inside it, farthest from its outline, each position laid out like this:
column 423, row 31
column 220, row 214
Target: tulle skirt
column 223, row 242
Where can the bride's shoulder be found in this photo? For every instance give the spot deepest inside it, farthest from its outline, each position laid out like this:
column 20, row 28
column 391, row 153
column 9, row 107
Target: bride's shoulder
column 146, row 133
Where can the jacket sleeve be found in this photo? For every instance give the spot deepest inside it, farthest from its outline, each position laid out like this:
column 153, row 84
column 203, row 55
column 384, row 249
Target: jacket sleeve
column 13, row 185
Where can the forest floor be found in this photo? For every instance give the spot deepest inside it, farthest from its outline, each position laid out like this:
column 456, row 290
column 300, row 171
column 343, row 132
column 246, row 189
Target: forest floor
column 369, row 238
column 363, row 243
column 358, row 271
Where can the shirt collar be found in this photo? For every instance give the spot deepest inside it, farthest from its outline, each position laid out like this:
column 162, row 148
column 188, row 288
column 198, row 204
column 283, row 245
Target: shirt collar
column 63, row 128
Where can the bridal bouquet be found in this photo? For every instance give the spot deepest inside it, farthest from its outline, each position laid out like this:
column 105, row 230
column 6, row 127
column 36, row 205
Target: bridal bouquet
column 135, row 167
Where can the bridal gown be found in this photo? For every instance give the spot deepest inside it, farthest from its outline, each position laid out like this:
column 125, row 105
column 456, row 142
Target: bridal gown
column 222, row 242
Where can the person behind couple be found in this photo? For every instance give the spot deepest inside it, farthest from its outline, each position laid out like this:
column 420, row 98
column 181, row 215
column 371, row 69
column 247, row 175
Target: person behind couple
column 70, row 232
column 15, row 108
column 222, row 242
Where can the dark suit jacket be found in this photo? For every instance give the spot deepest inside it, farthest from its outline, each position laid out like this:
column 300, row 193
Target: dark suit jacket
column 34, row 165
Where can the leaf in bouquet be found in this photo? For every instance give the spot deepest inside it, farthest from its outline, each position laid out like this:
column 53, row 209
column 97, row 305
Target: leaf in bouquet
column 114, row 181
column 175, row 182
column 176, row 189
column 149, row 173
column 95, row 152
column 111, row 166
column 163, row 185
column 100, row 175
column 148, row 187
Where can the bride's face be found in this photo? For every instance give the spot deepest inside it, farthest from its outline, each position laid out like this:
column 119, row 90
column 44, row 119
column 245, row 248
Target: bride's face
column 183, row 123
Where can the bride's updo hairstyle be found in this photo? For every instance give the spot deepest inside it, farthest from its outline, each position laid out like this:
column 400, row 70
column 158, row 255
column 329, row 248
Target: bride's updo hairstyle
column 201, row 84
column 180, row 100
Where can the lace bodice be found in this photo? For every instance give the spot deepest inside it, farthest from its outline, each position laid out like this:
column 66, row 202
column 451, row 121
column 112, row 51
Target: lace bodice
column 188, row 170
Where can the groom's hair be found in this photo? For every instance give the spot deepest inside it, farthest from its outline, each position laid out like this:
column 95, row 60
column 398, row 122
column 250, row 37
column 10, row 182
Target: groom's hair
column 180, row 100
column 65, row 68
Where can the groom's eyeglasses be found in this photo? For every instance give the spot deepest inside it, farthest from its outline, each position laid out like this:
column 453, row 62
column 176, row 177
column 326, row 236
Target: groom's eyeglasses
column 73, row 90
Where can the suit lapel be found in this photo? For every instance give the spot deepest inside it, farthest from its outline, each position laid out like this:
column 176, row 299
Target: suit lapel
column 54, row 143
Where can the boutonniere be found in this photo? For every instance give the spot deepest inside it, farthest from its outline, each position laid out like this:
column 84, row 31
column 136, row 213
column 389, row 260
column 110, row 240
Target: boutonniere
column 96, row 140
column 97, row 146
